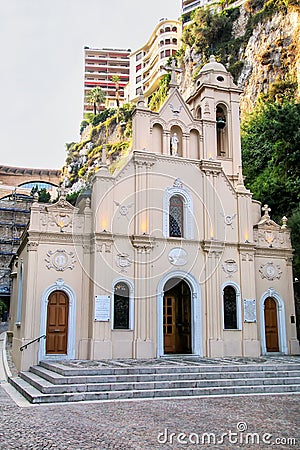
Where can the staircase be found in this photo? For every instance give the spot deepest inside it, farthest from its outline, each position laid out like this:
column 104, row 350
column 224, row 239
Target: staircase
column 52, row 382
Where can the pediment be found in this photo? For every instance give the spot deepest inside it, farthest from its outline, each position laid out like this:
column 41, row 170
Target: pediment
column 61, row 204
column 175, row 108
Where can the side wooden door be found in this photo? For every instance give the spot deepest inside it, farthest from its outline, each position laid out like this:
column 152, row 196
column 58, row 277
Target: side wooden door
column 271, row 325
column 169, row 324
column 57, row 323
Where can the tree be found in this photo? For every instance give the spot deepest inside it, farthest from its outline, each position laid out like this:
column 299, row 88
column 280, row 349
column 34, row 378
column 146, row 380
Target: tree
column 115, row 79
column 271, row 154
column 44, row 196
column 95, row 97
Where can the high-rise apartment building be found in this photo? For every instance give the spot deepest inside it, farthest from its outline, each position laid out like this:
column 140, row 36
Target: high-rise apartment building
column 100, row 66
column 146, row 63
column 190, row 5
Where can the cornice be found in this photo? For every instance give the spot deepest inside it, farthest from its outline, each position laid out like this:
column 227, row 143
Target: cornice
column 142, row 243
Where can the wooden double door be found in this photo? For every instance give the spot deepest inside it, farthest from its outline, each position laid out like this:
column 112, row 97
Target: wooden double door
column 271, row 325
column 57, row 323
column 177, row 320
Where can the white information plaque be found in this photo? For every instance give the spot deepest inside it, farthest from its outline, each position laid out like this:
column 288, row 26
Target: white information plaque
column 249, row 310
column 102, row 308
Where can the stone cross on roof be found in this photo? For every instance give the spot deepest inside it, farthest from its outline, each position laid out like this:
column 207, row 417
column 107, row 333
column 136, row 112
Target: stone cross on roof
column 266, row 211
column 173, row 69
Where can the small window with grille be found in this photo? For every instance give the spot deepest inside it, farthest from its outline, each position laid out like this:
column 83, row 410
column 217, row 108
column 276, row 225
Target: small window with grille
column 176, row 216
column 121, row 306
column 230, row 308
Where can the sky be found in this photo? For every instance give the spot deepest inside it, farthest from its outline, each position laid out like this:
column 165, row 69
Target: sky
column 42, row 67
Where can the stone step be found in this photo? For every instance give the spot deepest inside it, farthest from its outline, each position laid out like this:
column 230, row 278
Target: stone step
column 47, row 387
column 57, row 378
column 35, row 396
column 66, row 370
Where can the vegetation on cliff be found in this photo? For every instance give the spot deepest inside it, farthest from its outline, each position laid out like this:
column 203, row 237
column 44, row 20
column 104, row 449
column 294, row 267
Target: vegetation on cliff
column 226, row 32
column 112, row 128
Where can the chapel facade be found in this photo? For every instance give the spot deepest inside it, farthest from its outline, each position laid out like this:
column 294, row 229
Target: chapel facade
column 170, row 255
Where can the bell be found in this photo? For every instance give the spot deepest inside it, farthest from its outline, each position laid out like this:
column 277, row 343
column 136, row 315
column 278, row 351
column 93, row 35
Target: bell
column 221, row 122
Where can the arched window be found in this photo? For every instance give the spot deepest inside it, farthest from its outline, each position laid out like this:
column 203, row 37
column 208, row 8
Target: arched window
column 121, row 306
column 230, row 308
column 176, row 216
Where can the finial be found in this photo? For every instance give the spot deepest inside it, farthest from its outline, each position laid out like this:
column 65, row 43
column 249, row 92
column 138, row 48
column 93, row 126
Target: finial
column 62, row 192
column 103, row 156
column 284, row 221
column 141, row 101
column 212, row 59
column 240, row 177
column 35, row 197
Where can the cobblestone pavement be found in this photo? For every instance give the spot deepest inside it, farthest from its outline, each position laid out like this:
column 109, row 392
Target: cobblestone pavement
column 147, row 425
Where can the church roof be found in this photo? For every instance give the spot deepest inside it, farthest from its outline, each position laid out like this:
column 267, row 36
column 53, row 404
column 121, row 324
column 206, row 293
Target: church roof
column 213, row 65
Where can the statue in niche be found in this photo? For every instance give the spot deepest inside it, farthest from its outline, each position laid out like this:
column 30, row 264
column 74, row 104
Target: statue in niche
column 174, row 145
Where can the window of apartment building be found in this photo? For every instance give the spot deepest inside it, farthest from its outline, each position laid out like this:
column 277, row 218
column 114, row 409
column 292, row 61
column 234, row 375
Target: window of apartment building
column 138, row 67
column 162, row 54
column 174, row 41
column 168, row 53
column 138, row 79
column 167, row 29
column 139, row 56
column 168, row 41
column 174, row 29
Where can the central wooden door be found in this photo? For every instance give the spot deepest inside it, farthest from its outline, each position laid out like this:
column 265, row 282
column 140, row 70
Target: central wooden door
column 271, row 325
column 177, row 319
column 57, row 323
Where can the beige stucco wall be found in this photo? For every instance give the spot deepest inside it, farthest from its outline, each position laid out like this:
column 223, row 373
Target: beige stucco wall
column 121, row 233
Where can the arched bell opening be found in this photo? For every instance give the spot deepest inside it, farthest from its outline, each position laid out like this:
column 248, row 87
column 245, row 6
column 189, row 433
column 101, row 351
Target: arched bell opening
column 157, row 138
column 222, row 131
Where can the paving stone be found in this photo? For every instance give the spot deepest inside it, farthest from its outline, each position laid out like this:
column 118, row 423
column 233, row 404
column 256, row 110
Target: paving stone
column 137, row 424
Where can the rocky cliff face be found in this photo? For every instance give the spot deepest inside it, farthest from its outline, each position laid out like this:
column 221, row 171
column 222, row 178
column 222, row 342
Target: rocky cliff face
column 272, row 53
column 267, row 53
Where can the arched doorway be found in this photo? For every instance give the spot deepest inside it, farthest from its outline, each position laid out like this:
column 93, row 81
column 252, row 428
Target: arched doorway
column 57, row 323
column 271, row 325
column 177, row 317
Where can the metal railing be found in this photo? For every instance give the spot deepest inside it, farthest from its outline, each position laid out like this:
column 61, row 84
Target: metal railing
column 43, row 336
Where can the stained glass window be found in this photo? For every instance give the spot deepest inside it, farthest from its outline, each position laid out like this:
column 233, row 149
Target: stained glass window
column 121, row 306
column 230, row 310
column 176, row 217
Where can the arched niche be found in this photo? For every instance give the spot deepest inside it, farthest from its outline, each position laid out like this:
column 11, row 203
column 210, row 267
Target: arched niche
column 176, row 134
column 222, row 131
column 157, row 138
column 198, row 113
column 194, row 146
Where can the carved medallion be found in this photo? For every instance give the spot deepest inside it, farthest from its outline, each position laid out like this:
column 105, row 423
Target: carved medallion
column 230, row 267
column 123, row 261
column 123, row 209
column 270, row 271
column 178, row 183
column 178, row 256
column 60, row 260
column 228, row 219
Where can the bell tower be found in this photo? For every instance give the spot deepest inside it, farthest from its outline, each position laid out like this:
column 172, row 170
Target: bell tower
column 215, row 101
